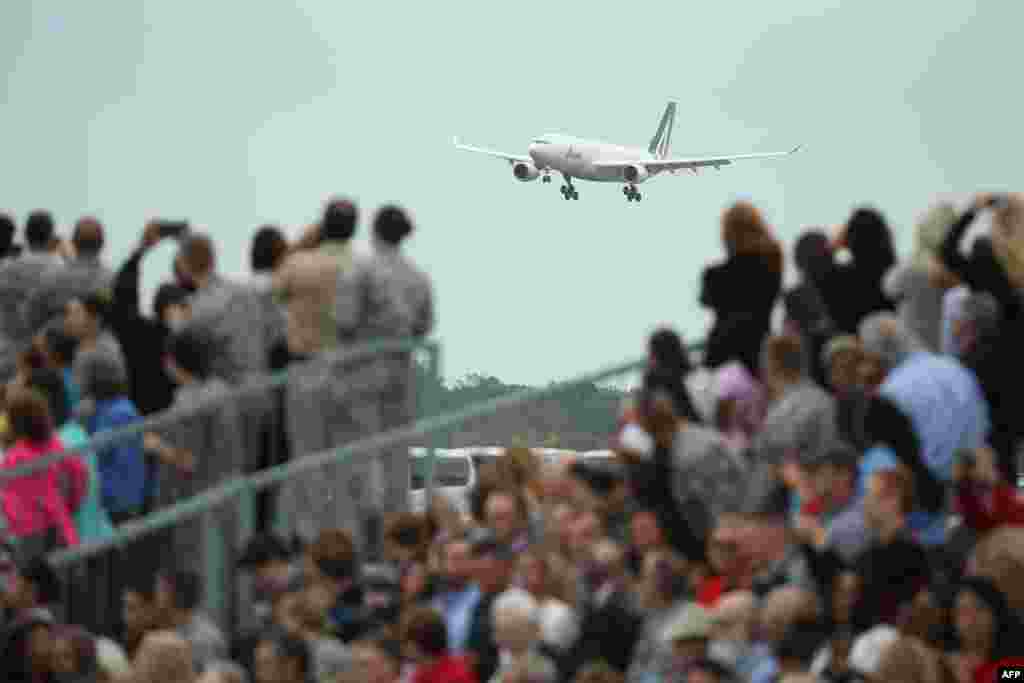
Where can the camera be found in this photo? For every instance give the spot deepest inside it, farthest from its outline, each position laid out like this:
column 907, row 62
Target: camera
column 172, row 229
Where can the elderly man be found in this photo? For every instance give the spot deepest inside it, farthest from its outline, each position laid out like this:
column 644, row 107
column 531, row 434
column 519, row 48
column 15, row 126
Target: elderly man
column 941, row 396
column 516, row 623
column 82, row 275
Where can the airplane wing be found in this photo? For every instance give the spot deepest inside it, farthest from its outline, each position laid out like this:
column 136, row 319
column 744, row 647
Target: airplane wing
column 510, row 158
column 659, row 165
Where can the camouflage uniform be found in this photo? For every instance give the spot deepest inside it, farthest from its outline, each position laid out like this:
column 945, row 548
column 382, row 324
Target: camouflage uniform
column 238, row 324
column 400, row 305
column 20, row 278
column 214, row 438
column 61, row 284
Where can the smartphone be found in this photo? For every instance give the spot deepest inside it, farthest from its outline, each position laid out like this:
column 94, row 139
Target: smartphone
column 173, row 229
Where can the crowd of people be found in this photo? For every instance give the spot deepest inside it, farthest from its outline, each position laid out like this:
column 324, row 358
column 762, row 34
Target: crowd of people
column 834, row 500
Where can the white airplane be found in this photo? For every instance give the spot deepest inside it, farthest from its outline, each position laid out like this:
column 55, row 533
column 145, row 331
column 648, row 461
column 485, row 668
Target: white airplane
column 603, row 162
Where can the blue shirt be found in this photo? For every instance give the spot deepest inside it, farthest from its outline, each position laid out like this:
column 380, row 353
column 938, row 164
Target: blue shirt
column 767, row 667
column 457, row 609
column 945, row 404
column 123, row 470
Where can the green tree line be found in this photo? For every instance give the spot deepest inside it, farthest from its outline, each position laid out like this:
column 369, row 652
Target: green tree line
column 580, row 416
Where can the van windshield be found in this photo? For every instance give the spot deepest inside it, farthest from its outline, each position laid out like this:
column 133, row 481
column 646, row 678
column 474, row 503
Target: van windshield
column 447, row 472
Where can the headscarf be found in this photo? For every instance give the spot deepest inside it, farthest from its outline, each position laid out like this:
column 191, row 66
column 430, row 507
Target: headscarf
column 734, row 383
column 1008, row 239
column 886, row 335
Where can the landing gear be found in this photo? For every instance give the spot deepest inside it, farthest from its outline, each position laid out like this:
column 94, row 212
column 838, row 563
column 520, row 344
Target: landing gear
column 568, row 191
column 546, row 178
column 631, row 193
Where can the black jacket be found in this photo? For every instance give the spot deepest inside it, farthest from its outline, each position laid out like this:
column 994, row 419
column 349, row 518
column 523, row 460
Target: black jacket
column 742, row 292
column 609, row 632
column 651, row 485
column 480, row 642
column 996, row 362
column 143, row 341
column 858, row 294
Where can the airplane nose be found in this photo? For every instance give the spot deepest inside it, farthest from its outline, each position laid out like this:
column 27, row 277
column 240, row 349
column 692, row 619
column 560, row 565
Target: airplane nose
column 534, row 150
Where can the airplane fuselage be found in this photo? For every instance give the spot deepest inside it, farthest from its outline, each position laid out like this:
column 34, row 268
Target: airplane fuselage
column 581, row 159
column 575, row 157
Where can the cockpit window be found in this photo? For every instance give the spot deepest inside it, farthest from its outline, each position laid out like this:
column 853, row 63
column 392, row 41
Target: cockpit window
column 541, row 142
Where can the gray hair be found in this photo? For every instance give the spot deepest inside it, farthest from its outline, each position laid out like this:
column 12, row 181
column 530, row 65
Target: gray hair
column 886, row 336
column 516, row 602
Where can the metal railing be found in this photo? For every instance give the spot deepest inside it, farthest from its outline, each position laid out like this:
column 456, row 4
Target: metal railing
column 251, row 484
column 243, row 489
column 257, row 387
column 98, row 571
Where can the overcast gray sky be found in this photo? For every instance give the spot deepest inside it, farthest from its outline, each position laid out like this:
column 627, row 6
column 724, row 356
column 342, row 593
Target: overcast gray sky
column 232, row 114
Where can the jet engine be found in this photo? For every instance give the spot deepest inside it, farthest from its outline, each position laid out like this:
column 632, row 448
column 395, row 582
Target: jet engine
column 525, row 171
column 635, row 174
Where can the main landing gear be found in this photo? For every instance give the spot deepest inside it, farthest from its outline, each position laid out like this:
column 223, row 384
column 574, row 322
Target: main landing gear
column 546, row 178
column 568, row 191
column 631, row 193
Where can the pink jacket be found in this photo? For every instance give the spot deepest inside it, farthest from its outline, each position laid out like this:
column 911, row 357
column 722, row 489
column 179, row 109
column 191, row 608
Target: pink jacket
column 34, row 503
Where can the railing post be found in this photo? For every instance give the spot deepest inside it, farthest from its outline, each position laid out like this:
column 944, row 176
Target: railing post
column 215, row 566
column 438, row 377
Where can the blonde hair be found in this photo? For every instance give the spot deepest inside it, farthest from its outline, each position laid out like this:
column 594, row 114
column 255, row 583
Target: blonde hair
column 1008, row 239
column 931, row 231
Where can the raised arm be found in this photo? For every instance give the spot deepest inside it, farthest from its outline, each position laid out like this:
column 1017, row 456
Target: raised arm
column 992, row 279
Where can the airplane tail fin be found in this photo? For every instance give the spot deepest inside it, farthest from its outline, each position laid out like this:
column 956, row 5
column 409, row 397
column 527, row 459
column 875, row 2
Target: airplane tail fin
column 662, row 140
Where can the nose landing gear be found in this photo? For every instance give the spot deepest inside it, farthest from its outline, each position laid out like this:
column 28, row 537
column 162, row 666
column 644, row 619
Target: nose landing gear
column 631, row 193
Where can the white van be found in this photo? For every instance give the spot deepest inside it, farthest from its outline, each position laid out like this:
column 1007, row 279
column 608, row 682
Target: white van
column 454, row 477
